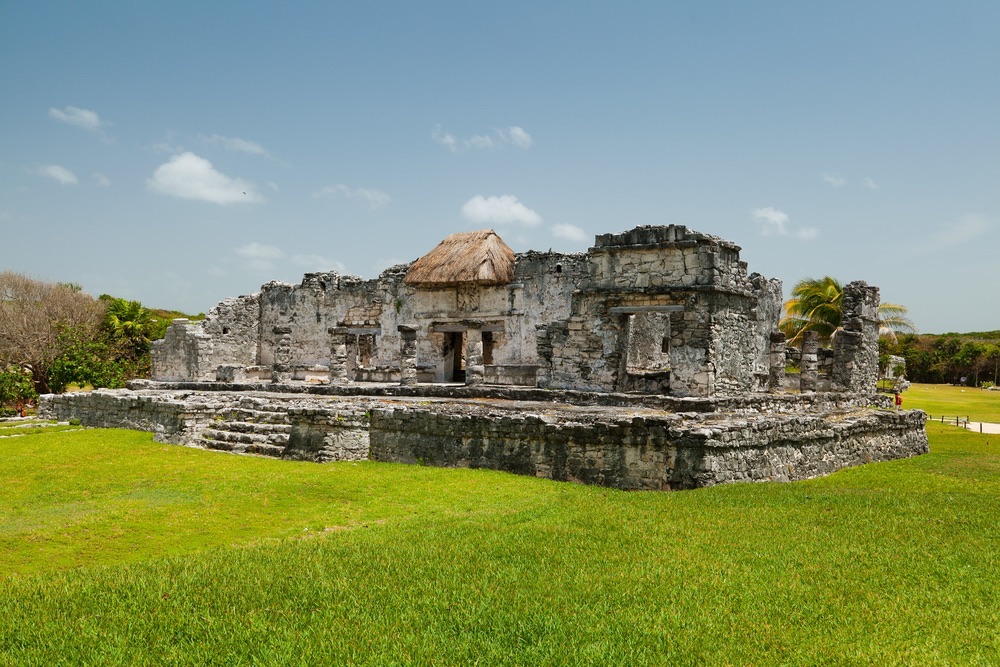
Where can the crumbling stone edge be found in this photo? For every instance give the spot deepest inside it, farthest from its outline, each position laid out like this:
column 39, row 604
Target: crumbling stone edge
column 641, row 445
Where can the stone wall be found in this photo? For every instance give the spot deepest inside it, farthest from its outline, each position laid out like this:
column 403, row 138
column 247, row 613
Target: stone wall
column 629, row 447
column 658, row 453
column 713, row 322
column 185, row 353
column 249, row 331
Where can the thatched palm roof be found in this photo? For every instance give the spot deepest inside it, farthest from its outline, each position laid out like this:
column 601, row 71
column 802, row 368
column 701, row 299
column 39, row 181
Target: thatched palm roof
column 479, row 257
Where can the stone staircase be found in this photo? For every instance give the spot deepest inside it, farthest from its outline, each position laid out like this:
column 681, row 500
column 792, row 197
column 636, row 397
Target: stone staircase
column 248, row 430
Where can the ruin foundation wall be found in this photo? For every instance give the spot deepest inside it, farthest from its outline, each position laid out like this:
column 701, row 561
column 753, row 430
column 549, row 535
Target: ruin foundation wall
column 622, row 447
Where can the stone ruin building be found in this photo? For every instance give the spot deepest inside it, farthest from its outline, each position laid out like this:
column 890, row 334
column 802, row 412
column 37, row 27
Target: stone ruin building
column 652, row 361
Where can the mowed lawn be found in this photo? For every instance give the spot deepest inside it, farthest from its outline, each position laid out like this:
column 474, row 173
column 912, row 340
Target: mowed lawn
column 115, row 549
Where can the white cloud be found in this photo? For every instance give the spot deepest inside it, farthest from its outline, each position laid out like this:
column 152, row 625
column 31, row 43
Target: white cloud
column 188, row 176
column 569, row 232
column 499, row 210
column 519, row 137
column 101, row 179
column 481, row 141
column 272, row 185
column 954, row 233
column 834, row 180
column 375, row 199
column 259, row 256
column 499, row 138
column 57, row 173
column 315, row 263
column 263, row 257
column 237, row 144
column 870, row 184
column 775, row 222
column 85, row 118
column 446, row 139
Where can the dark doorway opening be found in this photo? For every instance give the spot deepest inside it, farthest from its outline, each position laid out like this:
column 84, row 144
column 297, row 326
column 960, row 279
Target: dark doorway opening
column 454, row 356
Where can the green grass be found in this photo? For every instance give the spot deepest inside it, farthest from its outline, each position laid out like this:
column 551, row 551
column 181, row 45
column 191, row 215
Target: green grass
column 979, row 405
column 124, row 551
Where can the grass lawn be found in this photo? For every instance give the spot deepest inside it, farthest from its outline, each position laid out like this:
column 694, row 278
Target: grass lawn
column 978, row 405
column 118, row 550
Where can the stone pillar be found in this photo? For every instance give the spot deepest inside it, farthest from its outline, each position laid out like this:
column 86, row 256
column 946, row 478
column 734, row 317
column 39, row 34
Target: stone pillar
column 475, row 369
column 281, row 371
column 338, row 355
column 776, row 374
column 407, row 355
column 543, row 347
column 810, row 362
column 855, row 347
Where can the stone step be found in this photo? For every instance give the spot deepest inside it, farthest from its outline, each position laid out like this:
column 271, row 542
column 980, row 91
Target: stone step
column 259, row 416
column 263, row 428
column 265, row 449
column 221, row 435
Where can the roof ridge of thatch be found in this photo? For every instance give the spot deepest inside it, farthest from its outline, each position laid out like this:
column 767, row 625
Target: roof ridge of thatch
column 476, row 257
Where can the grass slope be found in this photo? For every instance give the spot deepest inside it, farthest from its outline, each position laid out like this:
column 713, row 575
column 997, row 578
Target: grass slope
column 943, row 399
column 118, row 550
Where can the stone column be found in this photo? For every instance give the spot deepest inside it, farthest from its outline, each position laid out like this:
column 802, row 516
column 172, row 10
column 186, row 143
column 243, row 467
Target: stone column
column 338, row 355
column 475, row 369
column 281, row 371
column 810, row 362
column 407, row 355
column 855, row 348
column 543, row 347
column 776, row 375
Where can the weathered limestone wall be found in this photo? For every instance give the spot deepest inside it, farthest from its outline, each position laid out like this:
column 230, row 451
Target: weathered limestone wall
column 294, row 322
column 669, row 256
column 644, row 453
column 234, row 325
column 623, row 447
column 855, row 347
column 184, row 354
column 716, row 320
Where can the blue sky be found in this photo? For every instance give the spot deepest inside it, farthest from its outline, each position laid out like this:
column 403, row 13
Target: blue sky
column 856, row 139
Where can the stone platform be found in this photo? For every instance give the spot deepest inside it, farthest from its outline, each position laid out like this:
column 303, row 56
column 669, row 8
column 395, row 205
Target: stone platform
column 618, row 440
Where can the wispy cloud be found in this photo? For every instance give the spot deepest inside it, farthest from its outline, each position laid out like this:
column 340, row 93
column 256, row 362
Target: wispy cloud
column 57, row 173
column 260, row 256
column 84, row 118
column 236, row 144
column 953, row 233
column 102, row 180
column 313, row 263
column 263, row 257
column 569, row 232
column 496, row 139
column 375, row 199
column 188, row 176
column 870, row 184
column 834, row 180
column 501, row 210
column 774, row 222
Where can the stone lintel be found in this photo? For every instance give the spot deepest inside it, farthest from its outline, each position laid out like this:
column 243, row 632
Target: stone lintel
column 631, row 310
column 363, row 331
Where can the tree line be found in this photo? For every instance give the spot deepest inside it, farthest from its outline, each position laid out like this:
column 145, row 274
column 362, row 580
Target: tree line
column 53, row 335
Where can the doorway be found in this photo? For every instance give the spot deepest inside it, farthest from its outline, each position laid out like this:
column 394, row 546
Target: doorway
column 454, row 356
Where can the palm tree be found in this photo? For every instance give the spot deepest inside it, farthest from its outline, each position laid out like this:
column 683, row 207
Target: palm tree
column 817, row 305
column 129, row 322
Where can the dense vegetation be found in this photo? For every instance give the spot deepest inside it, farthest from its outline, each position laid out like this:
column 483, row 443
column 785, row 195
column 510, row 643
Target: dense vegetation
column 947, row 358
column 53, row 335
column 118, row 550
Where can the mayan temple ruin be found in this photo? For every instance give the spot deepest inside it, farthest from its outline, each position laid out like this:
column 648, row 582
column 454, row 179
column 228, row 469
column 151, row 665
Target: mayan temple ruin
column 652, row 361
